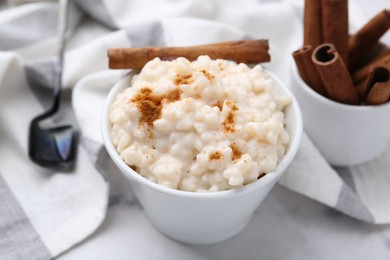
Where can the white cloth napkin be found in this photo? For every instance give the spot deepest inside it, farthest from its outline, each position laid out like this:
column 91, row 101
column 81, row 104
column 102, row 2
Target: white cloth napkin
column 43, row 213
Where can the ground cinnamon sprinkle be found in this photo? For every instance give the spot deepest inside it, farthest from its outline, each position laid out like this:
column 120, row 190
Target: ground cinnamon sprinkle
column 230, row 120
column 183, row 79
column 236, row 153
column 173, row 95
column 218, row 104
column 150, row 106
column 217, row 155
column 208, row 75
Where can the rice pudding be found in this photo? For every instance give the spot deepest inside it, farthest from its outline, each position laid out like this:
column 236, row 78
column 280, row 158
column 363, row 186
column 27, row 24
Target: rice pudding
column 206, row 125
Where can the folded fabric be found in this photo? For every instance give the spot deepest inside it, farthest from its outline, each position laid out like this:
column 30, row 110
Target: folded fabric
column 43, row 213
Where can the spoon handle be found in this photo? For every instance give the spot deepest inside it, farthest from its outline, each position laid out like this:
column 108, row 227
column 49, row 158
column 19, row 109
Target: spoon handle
column 62, row 26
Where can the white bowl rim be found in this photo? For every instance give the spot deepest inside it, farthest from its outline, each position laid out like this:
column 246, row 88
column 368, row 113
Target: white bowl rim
column 329, row 102
column 130, row 173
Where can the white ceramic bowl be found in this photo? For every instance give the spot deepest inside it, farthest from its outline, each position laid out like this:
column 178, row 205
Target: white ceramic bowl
column 344, row 134
column 208, row 217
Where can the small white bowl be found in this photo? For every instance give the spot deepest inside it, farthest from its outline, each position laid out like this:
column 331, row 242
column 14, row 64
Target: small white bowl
column 208, row 217
column 345, row 134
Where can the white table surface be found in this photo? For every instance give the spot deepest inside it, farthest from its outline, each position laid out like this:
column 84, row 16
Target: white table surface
column 285, row 226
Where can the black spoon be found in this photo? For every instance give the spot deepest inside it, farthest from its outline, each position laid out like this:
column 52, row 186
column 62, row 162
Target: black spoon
column 54, row 147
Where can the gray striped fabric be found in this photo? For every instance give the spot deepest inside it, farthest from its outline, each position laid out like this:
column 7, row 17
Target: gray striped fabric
column 149, row 34
column 97, row 10
column 18, row 36
column 346, row 175
column 350, row 204
column 40, row 75
column 18, row 238
column 120, row 188
column 41, row 72
column 36, row 25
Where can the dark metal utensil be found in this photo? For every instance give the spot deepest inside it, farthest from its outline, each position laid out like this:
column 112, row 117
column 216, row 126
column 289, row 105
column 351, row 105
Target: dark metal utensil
column 54, row 147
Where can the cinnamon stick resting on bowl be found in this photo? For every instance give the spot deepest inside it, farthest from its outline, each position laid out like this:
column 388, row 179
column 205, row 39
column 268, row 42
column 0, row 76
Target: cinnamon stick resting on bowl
column 247, row 51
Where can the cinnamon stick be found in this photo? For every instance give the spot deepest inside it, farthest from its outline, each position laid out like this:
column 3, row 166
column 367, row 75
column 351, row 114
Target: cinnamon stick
column 376, row 51
column 312, row 23
column 376, row 89
column 363, row 41
column 334, row 74
column 362, row 73
column 247, row 51
column 361, row 91
column 307, row 70
column 335, row 25
column 377, row 73
column 379, row 94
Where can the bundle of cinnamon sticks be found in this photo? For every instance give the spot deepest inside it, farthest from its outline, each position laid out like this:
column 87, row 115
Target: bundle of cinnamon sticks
column 348, row 69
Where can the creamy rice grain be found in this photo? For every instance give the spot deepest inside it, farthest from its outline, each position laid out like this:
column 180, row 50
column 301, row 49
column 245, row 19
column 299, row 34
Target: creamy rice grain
column 206, row 125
